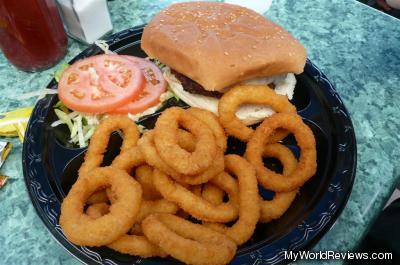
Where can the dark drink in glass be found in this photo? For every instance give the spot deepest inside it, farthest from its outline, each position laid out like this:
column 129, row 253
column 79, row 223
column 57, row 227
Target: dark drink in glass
column 32, row 36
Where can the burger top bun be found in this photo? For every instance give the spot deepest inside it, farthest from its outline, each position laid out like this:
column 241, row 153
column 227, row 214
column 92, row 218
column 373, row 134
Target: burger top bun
column 219, row 44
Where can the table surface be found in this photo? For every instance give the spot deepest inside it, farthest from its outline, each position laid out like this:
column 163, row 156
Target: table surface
column 354, row 45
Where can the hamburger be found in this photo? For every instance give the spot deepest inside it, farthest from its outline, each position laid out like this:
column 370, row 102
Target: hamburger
column 209, row 47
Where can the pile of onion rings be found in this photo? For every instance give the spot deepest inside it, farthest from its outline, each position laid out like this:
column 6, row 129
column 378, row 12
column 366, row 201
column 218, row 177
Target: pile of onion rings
column 145, row 203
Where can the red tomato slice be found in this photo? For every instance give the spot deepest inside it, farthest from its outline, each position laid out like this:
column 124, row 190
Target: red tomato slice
column 150, row 95
column 101, row 83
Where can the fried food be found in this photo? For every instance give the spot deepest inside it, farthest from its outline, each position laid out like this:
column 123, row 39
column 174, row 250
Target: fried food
column 152, row 157
column 166, row 142
column 157, row 206
column 192, row 204
column 211, row 120
column 250, row 94
column 188, row 242
column 128, row 160
column 212, row 193
column 137, row 246
column 307, row 164
column 99, row 141
column 83, row 230
column 275, row 208
column 97, row 210
column 249, row 207
column 98, row 197
column 138, row 214
column 144, row 175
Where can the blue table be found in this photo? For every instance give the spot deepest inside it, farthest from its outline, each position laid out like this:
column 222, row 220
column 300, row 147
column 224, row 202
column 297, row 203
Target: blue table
column 355, row 46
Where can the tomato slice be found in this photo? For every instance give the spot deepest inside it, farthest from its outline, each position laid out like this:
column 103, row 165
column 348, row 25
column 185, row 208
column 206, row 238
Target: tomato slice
column 100, row 83
column 150, row 95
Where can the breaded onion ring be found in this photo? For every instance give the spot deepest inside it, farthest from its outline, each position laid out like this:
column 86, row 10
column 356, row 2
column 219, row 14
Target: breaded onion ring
column 275, row 208
column 188, row 242
column 128, row 160
column 249, row 207
column 137, row 246
column 125, row 161
column 213, row 194
column 195, row 205
column 166, row 142
column 97, row 210
column 146, row 145
column 98, row 197
column 99, row 141
column 158, row 206
column 144, row 175
column 307, row 164
column 250, row 94
column 83, row 230
column 211, row 120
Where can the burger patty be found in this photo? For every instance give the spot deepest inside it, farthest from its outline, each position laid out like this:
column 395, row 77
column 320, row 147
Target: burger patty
column 193, row 87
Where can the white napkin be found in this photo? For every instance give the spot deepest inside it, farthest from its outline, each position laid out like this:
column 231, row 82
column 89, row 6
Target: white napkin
column 259, row 6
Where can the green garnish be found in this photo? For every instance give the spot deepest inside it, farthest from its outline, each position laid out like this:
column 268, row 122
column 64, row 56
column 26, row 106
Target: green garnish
column 174, row 95
column 59, row 105
column 58, row 73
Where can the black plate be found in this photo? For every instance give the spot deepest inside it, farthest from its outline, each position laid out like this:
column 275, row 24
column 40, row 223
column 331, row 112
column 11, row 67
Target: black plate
column 47, row 158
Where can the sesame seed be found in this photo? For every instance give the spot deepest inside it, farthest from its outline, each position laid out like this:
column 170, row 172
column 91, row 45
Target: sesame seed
column 226, row 53
column 249, row 55
column 254, row 47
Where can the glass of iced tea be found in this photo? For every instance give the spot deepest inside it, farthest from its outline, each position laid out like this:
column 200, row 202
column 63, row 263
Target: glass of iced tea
column 32, row 36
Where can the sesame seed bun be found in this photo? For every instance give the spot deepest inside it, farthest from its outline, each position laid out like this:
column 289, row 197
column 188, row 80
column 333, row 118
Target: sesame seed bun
column 218, row 44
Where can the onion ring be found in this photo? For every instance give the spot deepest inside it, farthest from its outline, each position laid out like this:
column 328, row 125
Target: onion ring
column 97, row 210
column 211, row 120
column 157, row 206
column 213, row 194
column 98, row 197
column 249, row 208
column 99, row 141
column 128, row 160
column 188, row 242
column 307, row 164
column 83, row 230
column 165, row 139
column 137, row 246
column 275, row 208
column 252, row 94
column 192, row 204
column 146, row 145
column 144, row 175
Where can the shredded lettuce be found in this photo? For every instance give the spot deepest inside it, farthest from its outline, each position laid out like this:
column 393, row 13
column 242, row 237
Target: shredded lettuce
column 64, row 118
column 58, row 73
column 81, row 125
column 159, row 64
column 175, row 96
column 103, row 45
